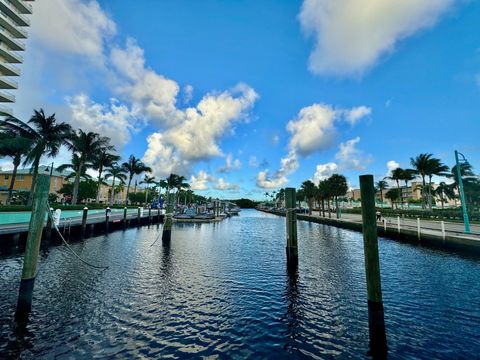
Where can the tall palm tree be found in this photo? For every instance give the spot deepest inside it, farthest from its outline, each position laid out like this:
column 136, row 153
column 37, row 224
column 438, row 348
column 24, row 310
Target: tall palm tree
column 309, row 190
column 148, row 180
column 102, row 160
column 86, row 145
column 323, row 193
column 397, row 175
column 444, row 192
column 381, row 185
column 47, row 137
column 74, row 165
column 115, row 172
column 393, row 195
column 338, row 187
column 436, row 168
column 133, row 167
column 16, row 147
column 421, row 166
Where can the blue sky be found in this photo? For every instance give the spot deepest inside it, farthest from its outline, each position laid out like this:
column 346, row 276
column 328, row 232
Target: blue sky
column 243, row 97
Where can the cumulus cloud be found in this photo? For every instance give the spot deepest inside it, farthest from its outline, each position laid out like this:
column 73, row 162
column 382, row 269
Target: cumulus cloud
column 200, row 181
column 350, row 157
column 350, row 35
column 353, row 115
column 324, row 171
column 114, row 120
column 73, row 27
column 314, row 128
column 230, row 164
column 223, row 185
column 288, row 165
column 391, row 165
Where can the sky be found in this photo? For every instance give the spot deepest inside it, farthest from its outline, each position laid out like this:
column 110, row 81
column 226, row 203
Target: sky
column 244, row 96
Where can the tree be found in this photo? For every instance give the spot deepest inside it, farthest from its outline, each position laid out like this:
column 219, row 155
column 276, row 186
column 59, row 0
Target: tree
column 74, row 165
column 86, row 146
column 47, row 137
column 133, row 167
column 407, row 175
column 309, row 189
column 148, row 180
column 104, row 159
column 381, row 185
column 115, row 172
column 338, row 187
column 444, row 192
column 421, row 166
column 436, row 168
column 16, row 147
column 323, row 193
column 300, row 195
column 87, row 189
column 393, row 195
column 397, row 175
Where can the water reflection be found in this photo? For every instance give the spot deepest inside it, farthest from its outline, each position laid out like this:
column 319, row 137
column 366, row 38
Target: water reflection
column 292, row 315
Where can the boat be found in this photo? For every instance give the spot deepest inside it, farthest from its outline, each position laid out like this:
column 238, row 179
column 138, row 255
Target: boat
column 188, row 214
column 205, row 216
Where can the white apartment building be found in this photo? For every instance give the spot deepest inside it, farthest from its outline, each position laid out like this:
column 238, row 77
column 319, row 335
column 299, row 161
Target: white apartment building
column 13, row 23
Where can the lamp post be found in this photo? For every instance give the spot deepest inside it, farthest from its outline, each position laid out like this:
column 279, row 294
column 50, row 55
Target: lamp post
column 460, row 188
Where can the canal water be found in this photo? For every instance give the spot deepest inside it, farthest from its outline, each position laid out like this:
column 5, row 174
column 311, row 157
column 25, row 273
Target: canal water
column 223, row 291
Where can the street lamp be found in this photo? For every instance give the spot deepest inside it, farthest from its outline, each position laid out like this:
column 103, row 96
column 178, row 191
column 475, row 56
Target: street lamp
column 460, row 188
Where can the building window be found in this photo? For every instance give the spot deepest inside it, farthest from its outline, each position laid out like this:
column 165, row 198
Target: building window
column 6, row 177
column 20, row 178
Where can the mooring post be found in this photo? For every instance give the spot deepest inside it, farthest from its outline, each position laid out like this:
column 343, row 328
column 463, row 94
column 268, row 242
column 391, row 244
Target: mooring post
column 418, row 228
column 442, row 223
column 291, row 217
column 398, row 224
column 138, row 216
column 158, row 215
column 376, row 322
column 149, row 216
column 48, row 229
column 167, row 224
column 37, row 220
column 107, row 218
column 84, row 221
column 125, row 218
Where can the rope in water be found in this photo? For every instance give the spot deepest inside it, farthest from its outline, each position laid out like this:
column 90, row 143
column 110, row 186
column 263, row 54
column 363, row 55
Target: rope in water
column 50, row 214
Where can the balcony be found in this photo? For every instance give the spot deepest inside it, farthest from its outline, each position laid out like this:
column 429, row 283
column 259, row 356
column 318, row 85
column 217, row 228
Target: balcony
column 6, row 97
column 4, row 111
column 6, row 38
column 13, row 14
column 9, row 56
column 8, row 24
column 6, row 83
column 9, row 70
column 22, row 6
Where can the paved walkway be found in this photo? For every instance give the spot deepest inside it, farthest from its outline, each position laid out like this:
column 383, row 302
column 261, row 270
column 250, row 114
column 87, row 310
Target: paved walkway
column 434, row 226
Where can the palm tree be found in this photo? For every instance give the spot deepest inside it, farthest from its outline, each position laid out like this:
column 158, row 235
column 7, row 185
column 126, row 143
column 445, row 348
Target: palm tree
column 393, row 195
column 15, row 147
column 162, row 184
column 86, row 146
column 436, row 168
column 421, row 166
column 397, row 175
column 338, row 187
column 115, row 172
column 309, row 190
column 47, row 137
column 445, row 192
column 104, row 159
column 407, row 175
column 323, row 193
column 74, row 165
column 148, row 180
column 381, row 185
column 133, row 167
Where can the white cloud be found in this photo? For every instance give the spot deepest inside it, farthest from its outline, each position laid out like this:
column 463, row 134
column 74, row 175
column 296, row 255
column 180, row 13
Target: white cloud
column 314, row 128
column 324, row 171
column 230, row 164
column 353, row 115
column 391, row 165
column 72, row 26
column 350, row 157
column 187, row 94
column 115, row 120
column 288, row 165
column 223, row 185
column 351, row 35
column 200, row 181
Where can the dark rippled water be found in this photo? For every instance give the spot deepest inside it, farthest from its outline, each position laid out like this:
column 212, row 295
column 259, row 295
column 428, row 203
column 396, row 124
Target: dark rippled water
column 222, row 291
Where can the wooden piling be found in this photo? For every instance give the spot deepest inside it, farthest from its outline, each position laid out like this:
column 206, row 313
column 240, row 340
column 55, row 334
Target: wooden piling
column 138, row 217
column 376, row 322
column 48, row 230
column 37, row 220
column 125, row 218
column 149, row 216
column 418, row 228
column 167, row 225
column 84, row 222
column 291, row 219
